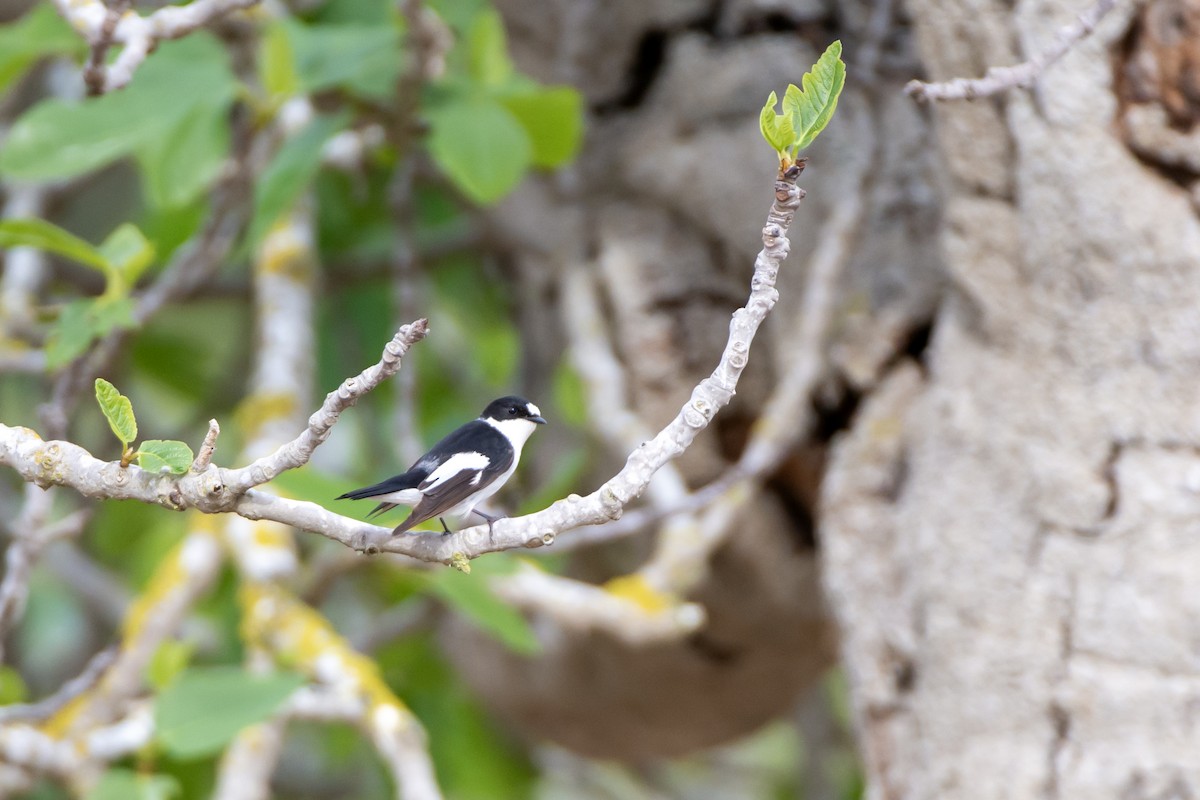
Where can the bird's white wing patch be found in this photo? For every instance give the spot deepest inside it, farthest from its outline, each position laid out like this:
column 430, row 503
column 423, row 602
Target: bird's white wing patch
column 459, row 462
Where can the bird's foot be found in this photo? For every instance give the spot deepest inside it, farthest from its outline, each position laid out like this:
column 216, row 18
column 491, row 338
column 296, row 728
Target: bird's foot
column 491, row 519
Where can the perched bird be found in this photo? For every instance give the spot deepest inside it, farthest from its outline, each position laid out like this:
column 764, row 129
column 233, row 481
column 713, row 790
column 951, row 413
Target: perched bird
column 462, row 470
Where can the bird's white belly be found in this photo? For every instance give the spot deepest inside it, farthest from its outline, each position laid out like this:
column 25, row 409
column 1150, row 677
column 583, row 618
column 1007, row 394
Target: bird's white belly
column 467, row 506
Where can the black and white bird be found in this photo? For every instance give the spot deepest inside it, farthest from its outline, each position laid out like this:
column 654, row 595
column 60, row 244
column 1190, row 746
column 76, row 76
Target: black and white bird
column 462, row 470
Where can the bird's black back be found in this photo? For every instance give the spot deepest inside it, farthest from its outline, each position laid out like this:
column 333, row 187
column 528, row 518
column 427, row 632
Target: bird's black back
column 476, row 436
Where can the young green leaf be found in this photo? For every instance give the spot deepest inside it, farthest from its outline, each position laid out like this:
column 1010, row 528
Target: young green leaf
column 168, row 662
column 52, row 239
column 81, row 322
column 811, row 108
column 365, row 59
column 125, row 784
column 487, row 51
column 276, row 66
column 154, row 455
column 12, row 686
column 292, row 169
column 470, row 596
column 39, row 33
column 179, row 165
column 480, row 145
column 553, row 118
column 128, row 252
column 61, row 139
column 198, row 714
column 117, row 410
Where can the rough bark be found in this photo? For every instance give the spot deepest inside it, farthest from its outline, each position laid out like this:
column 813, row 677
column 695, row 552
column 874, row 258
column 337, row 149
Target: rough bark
column 1010, row 540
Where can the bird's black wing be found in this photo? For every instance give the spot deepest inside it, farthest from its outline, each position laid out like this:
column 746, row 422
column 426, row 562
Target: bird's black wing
column 484, row 454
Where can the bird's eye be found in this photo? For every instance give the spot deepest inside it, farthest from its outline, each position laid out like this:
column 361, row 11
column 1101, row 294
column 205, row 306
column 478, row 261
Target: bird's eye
column 514, row 409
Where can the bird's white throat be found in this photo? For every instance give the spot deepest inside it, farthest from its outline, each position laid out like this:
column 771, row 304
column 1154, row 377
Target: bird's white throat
column 516, row 431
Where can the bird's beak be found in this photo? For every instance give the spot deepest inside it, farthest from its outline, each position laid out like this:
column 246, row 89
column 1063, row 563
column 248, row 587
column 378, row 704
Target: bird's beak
column 537, row 420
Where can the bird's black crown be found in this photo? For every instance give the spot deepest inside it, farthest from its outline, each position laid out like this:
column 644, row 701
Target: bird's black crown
column 513, row 407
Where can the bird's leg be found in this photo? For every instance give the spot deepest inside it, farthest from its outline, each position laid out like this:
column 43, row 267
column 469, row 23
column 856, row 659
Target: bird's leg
column 445, row 530
column 491, row 518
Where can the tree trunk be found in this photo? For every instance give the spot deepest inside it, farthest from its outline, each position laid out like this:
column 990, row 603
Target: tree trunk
column 1010, row 539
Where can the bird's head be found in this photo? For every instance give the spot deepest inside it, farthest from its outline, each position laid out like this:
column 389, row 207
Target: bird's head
column 515, row 408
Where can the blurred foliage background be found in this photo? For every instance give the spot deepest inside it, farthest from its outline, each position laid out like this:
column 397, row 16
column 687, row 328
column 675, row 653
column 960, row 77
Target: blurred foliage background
column 395, row 157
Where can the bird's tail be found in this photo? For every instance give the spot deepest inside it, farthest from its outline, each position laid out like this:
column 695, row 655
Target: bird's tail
column 408, row 480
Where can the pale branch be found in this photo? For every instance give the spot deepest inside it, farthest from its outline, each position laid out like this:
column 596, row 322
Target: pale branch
column 604, row 379
column 48, row 463
column 180, row 580
column 21, row 279
column 1023, row 75
column 575, row 605
column 246, row 766
column 29, row 535
column 708, row 397
column 222, row 490
column 404, row 747
column 49, row 706
column 683, row 551
column 137, row 34
column 297, row 452
column 94, row 72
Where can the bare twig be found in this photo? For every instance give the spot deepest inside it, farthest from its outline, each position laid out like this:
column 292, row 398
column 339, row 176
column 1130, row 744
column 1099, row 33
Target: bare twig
column 1023, row 75
column 49, row 706
column 94, row 72
column 29, row 535
column 204, row 456
column 182, row 577
column 604, row 376
column 139, row 35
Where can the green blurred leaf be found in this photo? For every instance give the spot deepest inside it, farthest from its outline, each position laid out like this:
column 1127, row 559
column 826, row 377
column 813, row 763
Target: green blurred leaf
column 52, row 239
column 364, row 59
column 168, row 662
column 776, row 128
column 156, row 454
column 61, row 139
column 487, row 50
column 180, row 165
column 71, row 335
column 811, row 108
column 12, row 686
column 117, row 410
column 480, row 145
column 81, row 322
column 553, row 119
column 289, row 173
column 39, row 33
column 125, row 784
column 128, row 252
column 204, row 709
column 470, row 596
column 276, row 66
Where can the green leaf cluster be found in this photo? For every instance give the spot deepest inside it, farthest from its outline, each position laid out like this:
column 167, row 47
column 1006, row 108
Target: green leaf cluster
column 173, row 118
column 40, row 33
column 807, row 110
column 489, row 124
column 154, row 455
